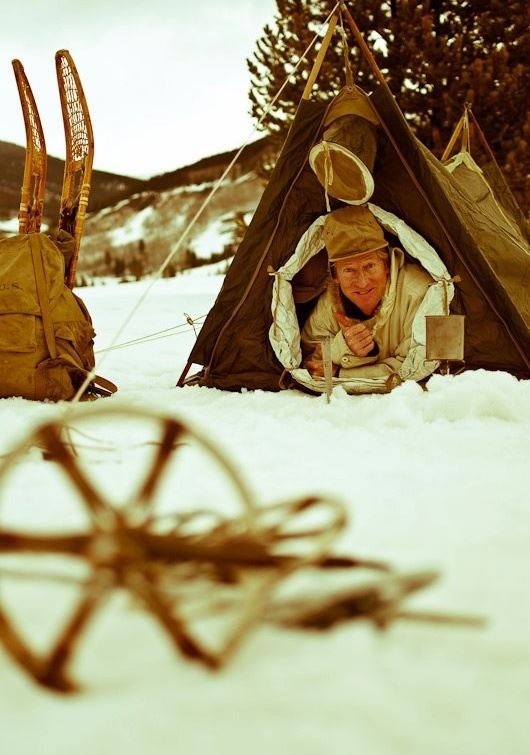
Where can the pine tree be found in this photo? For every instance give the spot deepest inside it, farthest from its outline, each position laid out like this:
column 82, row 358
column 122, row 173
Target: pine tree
column 436, row 56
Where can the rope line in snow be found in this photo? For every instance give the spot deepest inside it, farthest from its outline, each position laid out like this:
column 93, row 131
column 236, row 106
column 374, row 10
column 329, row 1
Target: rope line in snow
column 203, row 206
column 174, row 330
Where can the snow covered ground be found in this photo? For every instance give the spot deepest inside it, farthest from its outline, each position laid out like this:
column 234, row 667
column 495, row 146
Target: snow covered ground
column 431, row 480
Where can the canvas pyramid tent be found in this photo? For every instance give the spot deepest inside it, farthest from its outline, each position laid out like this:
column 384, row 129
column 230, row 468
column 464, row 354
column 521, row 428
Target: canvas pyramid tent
column 491, row 259
column 486, row 184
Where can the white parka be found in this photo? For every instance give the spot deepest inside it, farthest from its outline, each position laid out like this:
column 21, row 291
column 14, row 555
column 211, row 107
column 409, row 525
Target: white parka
column 430, row 299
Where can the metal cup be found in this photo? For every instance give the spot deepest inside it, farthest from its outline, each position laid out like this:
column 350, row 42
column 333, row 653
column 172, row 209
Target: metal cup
column 445, row 337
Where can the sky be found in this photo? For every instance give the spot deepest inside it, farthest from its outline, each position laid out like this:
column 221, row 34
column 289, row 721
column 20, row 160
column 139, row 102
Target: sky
column 430, row 480
column 165, row 80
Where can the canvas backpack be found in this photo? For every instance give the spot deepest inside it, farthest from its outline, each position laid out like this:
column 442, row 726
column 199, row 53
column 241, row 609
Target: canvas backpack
column 46, row 333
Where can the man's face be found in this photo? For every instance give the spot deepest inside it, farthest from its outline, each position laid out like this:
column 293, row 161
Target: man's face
column 363, row 279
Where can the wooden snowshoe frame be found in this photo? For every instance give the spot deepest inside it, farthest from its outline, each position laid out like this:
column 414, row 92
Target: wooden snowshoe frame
column 124, row 548
column 34, row 181
column 79, row 154
column 162, row 558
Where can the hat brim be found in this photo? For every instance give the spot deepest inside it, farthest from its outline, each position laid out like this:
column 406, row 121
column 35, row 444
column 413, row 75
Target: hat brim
column 346, row 177
column 351, row 255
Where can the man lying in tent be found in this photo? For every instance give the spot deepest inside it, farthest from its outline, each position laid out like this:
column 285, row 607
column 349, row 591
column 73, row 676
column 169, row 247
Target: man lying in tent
column 373, row 306
column 370, row 302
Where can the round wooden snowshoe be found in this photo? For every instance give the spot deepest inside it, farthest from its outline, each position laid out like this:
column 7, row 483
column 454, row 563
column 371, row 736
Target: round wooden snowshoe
column 109, row 497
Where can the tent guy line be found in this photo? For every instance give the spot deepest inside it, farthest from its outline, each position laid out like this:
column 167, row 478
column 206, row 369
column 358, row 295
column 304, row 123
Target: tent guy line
column 207, row 200
column 156, row 336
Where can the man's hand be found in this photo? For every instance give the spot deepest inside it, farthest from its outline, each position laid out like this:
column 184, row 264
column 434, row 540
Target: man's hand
column 314, row 363
column 359, row 339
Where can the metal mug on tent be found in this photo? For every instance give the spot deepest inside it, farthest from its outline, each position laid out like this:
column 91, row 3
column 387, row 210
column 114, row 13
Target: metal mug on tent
column 445, row 336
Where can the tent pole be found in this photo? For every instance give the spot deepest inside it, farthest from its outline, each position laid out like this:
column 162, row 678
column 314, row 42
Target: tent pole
column 482, row 137
column 466, row 138
column 183, row 374
column 320, row 57
column 452, row 140
column 364, row 47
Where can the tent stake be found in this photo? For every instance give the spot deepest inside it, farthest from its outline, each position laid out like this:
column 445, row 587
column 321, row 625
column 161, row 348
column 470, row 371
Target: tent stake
column 183, row 374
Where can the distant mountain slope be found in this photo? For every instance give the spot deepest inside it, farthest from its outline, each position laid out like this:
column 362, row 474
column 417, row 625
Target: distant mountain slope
column 107, row 188
column 137, row 234
column 132, row 224
column 211, row 168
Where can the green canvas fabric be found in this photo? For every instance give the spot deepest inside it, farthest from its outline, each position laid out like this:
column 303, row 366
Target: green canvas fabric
column 233, row 343
column 493, row 293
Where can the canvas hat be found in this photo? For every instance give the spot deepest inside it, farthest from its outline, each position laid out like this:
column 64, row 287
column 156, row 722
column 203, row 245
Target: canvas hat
column 342, row 174
column 343, row 160
column 351, row 231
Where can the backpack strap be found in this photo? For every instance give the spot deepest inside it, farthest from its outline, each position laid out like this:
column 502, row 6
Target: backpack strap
column 101, row 386
column 98, row 385
column 42, row 293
